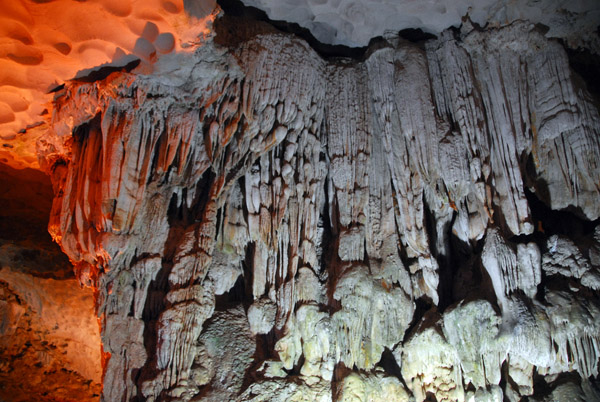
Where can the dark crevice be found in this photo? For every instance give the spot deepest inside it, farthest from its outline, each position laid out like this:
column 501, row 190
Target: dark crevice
column 465, row 259
column 505, row 379
column 247, row 268
column 389, row 364
column 101, row 72
column 423, row 310
column 265, row 350
column 160, row 143
column 241, row 22
column 542, row 389
column 219, row 225
column 416, row 36
column 326, row 239
column 295, row 371
column 340, row 371
column 586, row 65
column 155, row 304
column 234, row 296
column 549, row 222
column 430, row 397
column 329, row 257
column 182, row 216
column 25, row 207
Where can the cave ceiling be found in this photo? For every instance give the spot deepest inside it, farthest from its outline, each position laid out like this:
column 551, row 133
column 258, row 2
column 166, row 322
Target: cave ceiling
column 355, row 23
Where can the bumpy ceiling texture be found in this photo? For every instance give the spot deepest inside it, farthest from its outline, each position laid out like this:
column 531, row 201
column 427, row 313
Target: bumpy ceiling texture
column 354, row 23
column 43, row 43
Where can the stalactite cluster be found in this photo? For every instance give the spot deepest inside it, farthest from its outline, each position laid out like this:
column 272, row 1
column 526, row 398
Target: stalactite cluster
column 261, row 223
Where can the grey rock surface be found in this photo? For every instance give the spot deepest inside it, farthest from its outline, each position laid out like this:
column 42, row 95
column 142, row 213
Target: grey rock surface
column 335, row 202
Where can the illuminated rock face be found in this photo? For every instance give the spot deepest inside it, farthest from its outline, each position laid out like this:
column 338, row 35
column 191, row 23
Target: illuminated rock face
column 374, row 225
column 45, row 43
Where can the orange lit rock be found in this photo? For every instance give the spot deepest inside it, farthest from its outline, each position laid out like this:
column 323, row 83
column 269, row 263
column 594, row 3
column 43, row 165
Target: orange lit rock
column 65, row 316
column 49, row 341
column 45, row 43
column 49, row 334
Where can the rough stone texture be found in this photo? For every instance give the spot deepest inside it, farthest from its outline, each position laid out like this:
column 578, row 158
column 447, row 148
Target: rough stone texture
column 290, row 390
column 345, row 197
column 375, row 387
column 225, row 351
column 50, row 346
column 49, row 340
column 354, row 22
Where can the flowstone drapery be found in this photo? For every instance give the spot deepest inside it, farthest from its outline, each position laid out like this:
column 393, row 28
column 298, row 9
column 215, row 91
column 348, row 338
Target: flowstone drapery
column 350, row 227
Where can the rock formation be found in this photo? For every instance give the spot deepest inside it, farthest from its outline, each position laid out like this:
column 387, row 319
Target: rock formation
column 262, row 223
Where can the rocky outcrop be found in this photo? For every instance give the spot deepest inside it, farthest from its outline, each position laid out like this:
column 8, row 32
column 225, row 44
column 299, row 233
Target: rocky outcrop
column 336, row 201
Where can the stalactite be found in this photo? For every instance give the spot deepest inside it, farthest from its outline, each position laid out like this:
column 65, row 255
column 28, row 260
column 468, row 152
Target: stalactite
column 330, row 199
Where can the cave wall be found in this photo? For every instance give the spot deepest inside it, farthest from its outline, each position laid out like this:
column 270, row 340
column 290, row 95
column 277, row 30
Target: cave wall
column 261, row 223
column 49, row 334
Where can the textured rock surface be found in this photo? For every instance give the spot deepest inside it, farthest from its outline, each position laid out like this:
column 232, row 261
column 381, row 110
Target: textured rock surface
column 46, row 43
column 49, row 340
column 226, row 350
column 354, row 23
column 375, row 387
column 377, row 222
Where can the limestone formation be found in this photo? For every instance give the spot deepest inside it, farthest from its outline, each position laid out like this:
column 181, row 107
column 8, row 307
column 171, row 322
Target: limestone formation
column 261, row 223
